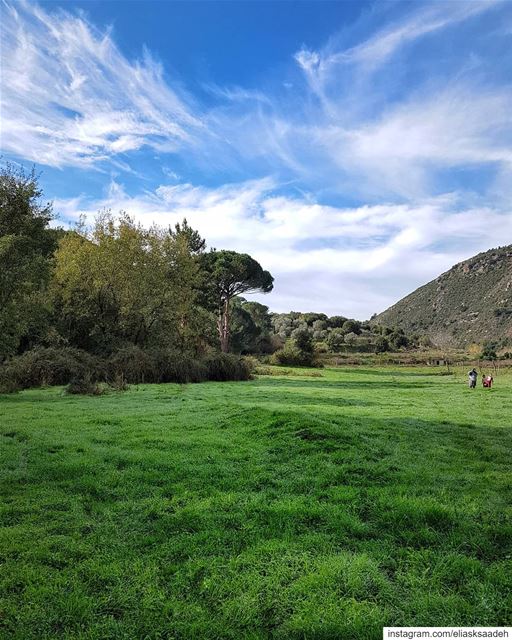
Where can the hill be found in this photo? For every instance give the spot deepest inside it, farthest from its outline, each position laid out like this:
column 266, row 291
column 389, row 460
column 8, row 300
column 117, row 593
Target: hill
column 470, row 303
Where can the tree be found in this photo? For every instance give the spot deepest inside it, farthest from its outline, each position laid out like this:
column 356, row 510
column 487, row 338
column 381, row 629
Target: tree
column 336, row 340
column 229, row 274
column 26, row 246
column 352, row 326
column 243, row 329
column 303, row 340
column 196, row 244
column 336, row 322
column 398, row 339
column 310, row 318
column 250, row 327
column 123, row 284
column 489, row 351
column 381, row 345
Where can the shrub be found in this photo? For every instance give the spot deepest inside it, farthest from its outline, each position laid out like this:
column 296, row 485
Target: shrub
column 252, row 362
column 303, row 341
column 184, row 369
column 381, row 345
column 174, row 366
column 489, row 351
column 82, row 371
column 84, row 386
column 227, row 366
column 132, row 365
column 336, row 340
column 118, row 383
column 7, row 385
column 289, row 355
column 50, row 366
column 292, row 355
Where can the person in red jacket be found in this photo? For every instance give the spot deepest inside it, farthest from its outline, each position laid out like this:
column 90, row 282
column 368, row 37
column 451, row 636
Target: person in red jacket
column 487, row 381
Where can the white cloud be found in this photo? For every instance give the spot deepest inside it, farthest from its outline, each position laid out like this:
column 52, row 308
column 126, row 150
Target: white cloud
column 352, row 261
column 70, row 97
column 401, row 150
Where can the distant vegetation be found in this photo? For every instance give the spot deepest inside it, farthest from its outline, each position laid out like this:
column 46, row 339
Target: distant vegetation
column 316, row 332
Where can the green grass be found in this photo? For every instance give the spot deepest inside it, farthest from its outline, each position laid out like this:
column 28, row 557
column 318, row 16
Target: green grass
column 284, row 507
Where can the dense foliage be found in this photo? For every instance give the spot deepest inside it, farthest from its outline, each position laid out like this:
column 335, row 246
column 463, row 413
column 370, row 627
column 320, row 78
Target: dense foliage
column 337, row 334
column 26, row 246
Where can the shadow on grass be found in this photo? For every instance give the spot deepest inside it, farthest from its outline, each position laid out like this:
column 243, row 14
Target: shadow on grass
column 336, row 384
column 391, row 373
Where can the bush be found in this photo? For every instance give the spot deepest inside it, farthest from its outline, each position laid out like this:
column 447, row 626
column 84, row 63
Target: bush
column 303, row 341
column 381, row 345
column 336, row 340
column 292, row 355
column 174, row 366
column 289, row 355
column 84, row 386
column 6, row 384
column 184, row 369
column 489, row 351
column 118, row 383
column 132, row 365
column 226, row 366
column 50, row 366
column 82, row 371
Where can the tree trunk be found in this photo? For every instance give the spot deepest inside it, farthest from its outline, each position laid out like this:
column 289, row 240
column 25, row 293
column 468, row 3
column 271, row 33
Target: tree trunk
column 223, row 326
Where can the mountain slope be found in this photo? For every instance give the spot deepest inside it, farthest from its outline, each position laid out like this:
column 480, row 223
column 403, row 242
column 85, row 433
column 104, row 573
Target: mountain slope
column 470, row 303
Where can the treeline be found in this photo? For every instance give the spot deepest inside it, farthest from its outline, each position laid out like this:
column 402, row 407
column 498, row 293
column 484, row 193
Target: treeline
column 117, row 299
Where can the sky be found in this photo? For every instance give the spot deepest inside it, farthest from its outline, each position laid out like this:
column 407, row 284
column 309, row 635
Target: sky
column 355, row 149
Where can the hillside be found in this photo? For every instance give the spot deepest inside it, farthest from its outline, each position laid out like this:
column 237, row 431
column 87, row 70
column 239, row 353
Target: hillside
column 470, row 303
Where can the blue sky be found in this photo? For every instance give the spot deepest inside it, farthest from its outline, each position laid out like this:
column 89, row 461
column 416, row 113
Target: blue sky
column 355, row 149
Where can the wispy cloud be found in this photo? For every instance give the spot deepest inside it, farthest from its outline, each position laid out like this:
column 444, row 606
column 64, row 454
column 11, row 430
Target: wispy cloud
column 385, row 140
column 236, row 94
column 70, row 97
column 379, row 47
column 424, row 21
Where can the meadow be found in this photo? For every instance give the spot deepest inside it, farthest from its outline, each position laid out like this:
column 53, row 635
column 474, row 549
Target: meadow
column 290, row 506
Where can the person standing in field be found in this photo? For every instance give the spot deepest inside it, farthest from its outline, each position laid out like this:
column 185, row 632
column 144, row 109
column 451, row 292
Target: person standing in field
column 472, row 377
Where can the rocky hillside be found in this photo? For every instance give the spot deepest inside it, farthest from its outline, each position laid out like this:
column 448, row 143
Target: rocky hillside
column 470, row 303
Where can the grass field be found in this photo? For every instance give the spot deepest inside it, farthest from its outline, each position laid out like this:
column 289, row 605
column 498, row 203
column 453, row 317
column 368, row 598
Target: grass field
column 284, row 507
